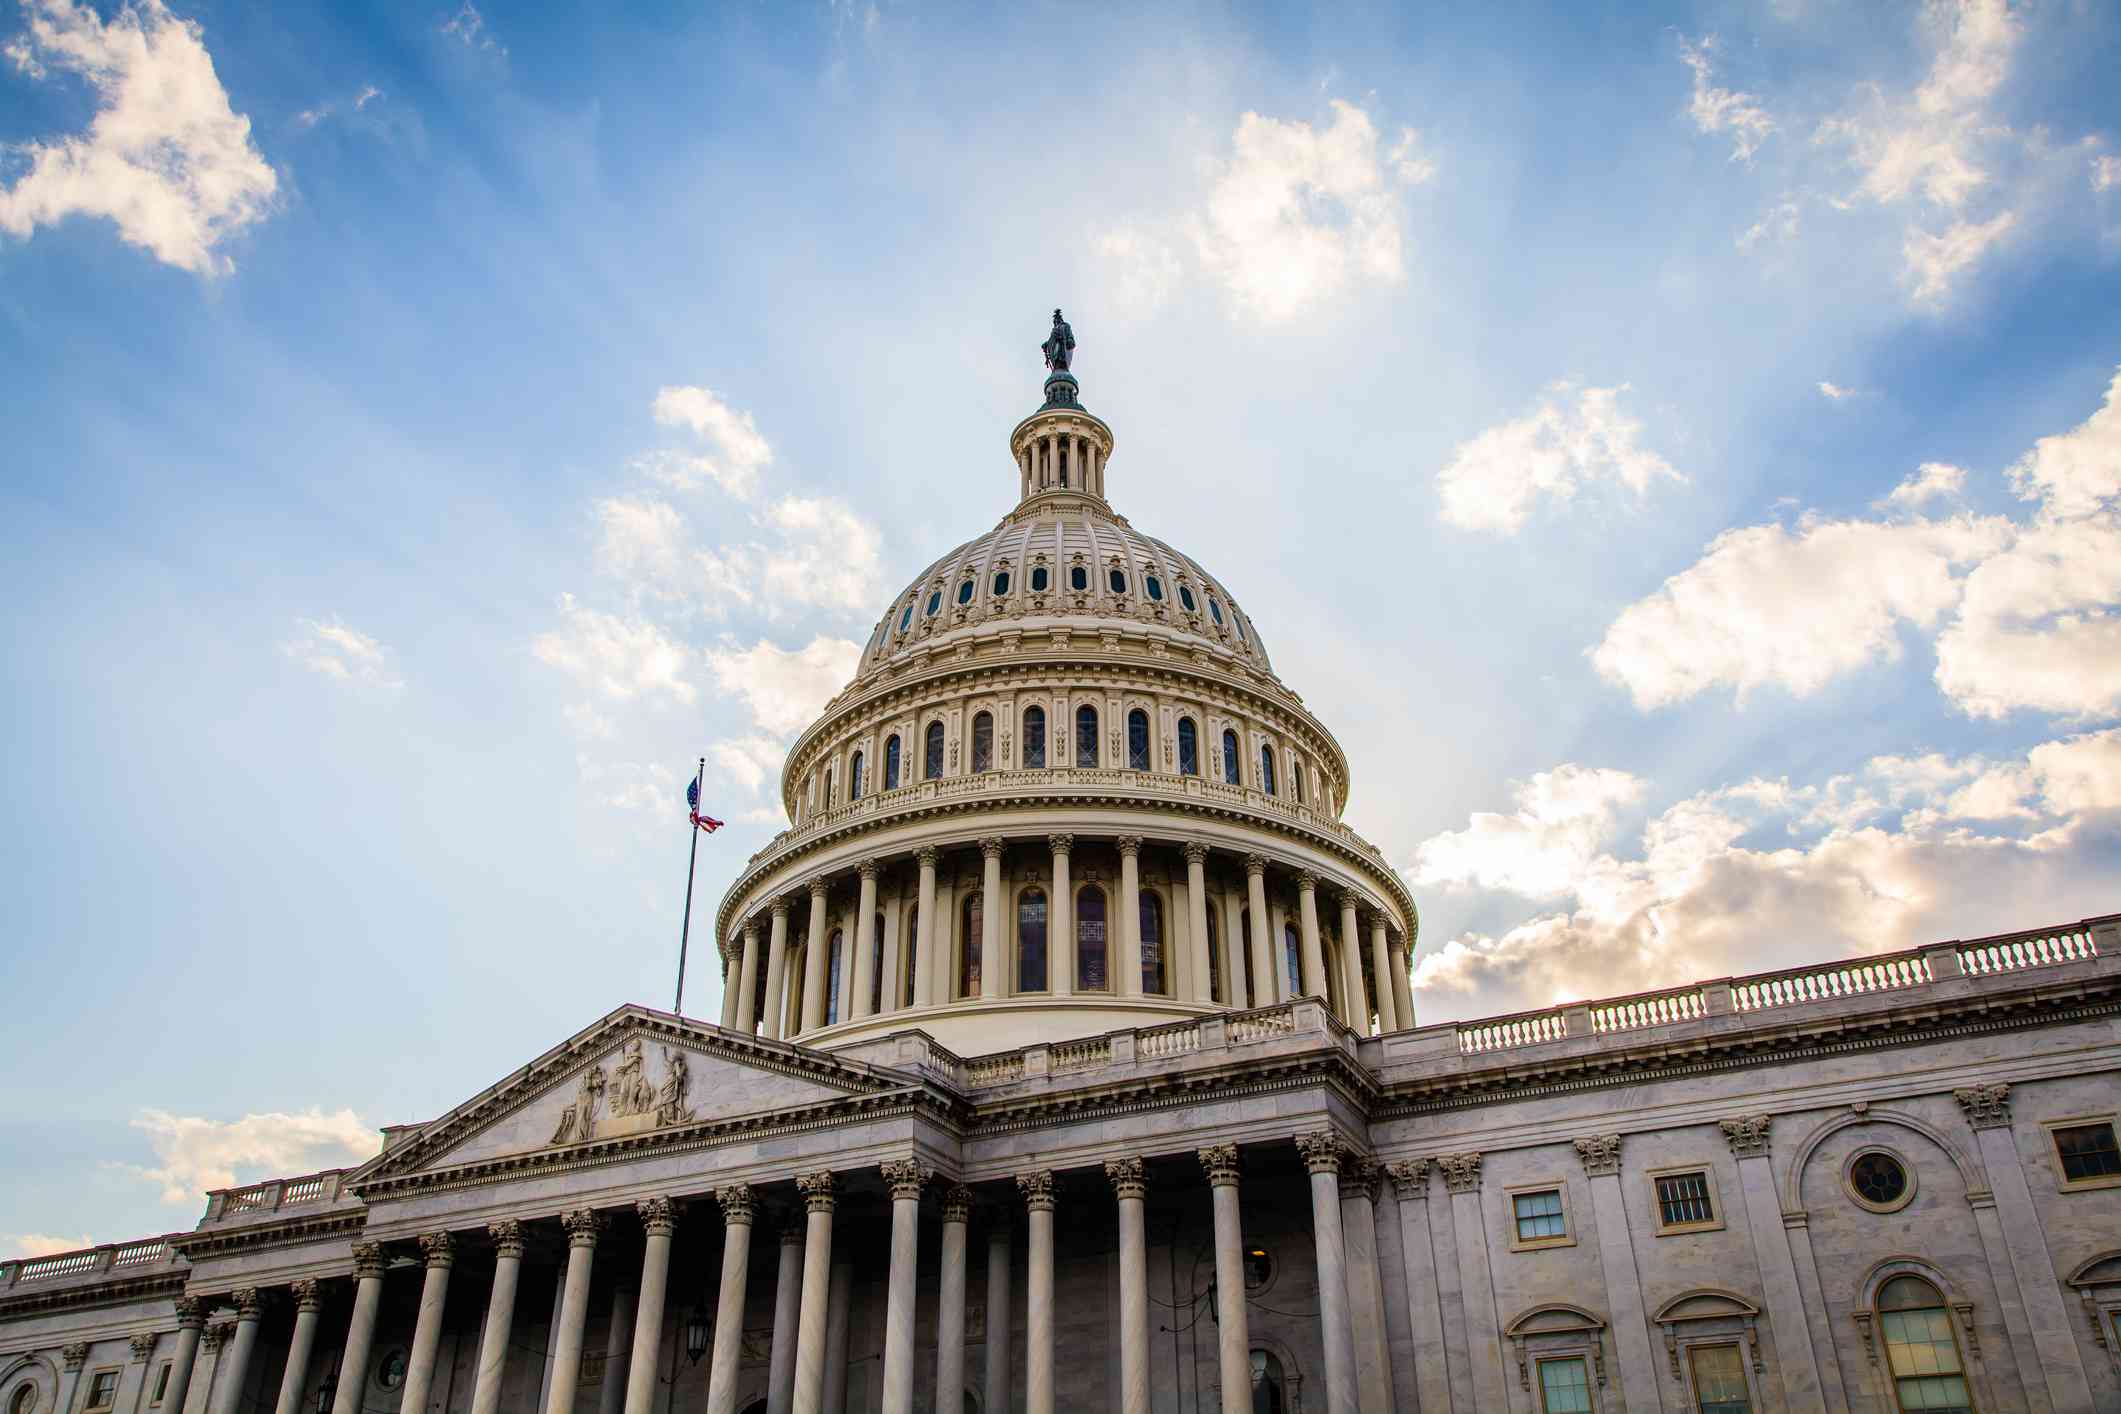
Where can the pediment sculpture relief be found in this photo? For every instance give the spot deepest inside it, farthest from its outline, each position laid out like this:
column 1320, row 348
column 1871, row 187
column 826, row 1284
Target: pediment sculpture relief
column 626, row 1101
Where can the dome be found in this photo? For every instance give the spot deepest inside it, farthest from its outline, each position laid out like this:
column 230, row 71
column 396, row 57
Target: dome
column 1064, row 795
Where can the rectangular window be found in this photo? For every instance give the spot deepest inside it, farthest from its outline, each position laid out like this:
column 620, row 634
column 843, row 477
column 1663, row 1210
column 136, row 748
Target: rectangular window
column 161, row 1384
column 1564, row 1386
column 1719, row 1380
column 1925, row 1361
column 102, row 1389
column 2087, row 1151
column 1683, row 1199
column 1539, row 1216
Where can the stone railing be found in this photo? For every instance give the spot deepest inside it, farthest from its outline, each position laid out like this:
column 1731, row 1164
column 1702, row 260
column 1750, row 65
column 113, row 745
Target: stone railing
column 128, row 1257
column 274, row 1195
column 1766, row 991
column 1169, row 1041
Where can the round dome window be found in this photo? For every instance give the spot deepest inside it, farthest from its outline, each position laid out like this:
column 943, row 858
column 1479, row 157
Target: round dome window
column 1879, row 1180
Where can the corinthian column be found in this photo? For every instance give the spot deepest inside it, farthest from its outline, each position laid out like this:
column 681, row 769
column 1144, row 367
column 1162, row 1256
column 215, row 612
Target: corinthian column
column 747, row 985
column 1233, row 1344
column 924, row 930
column 865, row 943
column 1784, row 1297
column 1358, row 1007
column 905, row 1178
column 1322, row 1155
column 1266, row 985
column 191, row 1319
column 1128, row 1185
column 990, row 917
column 997, row 1386
column 787, row 1313
column 500, row 1317
column 1366, row 1295
column 583, row 1225
column 658, row 1222
column 1314, row 952
column 730, row 965
column 814, row 959
column 817, row 1291
column 776, row 971
column 1381, row 958
column 1432, row 1360
column 295, row 1374
column 1038, row 1293
column 228, row 1394
column 360, row 1331
column 729, row 1303
column 1197, row 921
column 950, row 1303
column 1060, row 921
column 1129, row 983
column 439, row 1251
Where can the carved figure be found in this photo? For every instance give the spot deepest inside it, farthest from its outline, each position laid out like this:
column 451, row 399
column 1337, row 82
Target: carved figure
column 670, row 1099
column 631, row 1094
column 1059, row 346
column 579, row 1120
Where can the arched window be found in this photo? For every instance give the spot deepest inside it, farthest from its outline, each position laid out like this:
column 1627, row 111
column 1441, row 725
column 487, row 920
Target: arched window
column 891, row 763
column 1038, row 579
column 1243, row 943
column 1215, row 954
column 905, row 620
column 964, row 592
column 854, row 778
column 1292, row 951
column 1090, row 974
column 1001, row 583
column 968, row 947
column 1238, row 624
column 1137, row 740
column 1185, row 600
column 1034, row 738
column 983, row 742
column 1922, row 1348
column 1266, row 768
column 1270, row 1393
column 935, row 603
column 1031, row 941
column 1231, row 772
column 1188, row 748
column 912, row 951
column 1215, row 610
column 932, row 760
column 832, row 977
column 1078, row 578
column 1296, row 777
column 1152, row 922
column 1118, row 580
column 1086, row 736
column 828, row 787
column 876, row 967
column 1154, row 587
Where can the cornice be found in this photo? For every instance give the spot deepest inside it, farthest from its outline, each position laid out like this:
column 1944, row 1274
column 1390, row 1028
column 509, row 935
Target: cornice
column 283, row 1232
column 1136, row 1093
column 116, row 1291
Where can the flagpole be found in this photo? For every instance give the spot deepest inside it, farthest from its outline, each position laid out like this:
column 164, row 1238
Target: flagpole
column 685, row 932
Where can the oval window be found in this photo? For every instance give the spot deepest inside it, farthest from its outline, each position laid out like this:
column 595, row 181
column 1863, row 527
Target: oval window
column 1038, row 580
column 964, row 592
column 1118, row 579
column 1078, row 578
column 1215, row 611
column 1155, row 587
column 1001, row 583
column 1185, row 599
column 905, row 620
column 935, row 603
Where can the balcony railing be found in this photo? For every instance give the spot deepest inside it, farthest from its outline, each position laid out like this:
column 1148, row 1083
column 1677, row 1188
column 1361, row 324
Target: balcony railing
column 274, row 1195
column 125, row 1257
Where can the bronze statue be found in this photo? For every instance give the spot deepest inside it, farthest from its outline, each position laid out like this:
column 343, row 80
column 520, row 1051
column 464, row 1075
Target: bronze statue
column 1059, row 346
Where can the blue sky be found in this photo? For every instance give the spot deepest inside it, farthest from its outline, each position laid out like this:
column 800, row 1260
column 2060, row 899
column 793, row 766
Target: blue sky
column 1675, row 449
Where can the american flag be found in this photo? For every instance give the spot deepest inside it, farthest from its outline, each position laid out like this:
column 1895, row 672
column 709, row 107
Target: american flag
column 692, row 801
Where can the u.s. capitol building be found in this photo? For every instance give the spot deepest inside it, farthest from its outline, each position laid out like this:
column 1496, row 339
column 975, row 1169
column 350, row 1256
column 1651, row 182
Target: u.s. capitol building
column 1067, row 1061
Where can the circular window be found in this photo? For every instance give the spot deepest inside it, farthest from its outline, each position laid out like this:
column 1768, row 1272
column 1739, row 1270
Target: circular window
column 1038, row 580
column 1078, row 578
column 1155, row 587
column 1185, row 598
column 390, row 1370
column 1001, row 583
column 1259, row 1270
column 1879, row 1180
column 23, row 1400
column 935, row 602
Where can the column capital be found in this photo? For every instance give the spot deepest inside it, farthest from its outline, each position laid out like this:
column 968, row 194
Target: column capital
column 991, row 846
column 308, row 1294
column 1599, row 1153
column 1196, row 852
column 1129, row 846
column 1256, row 865
column 1410, row 1178
column 869, row 869
column 438, row 1249
column 1748, row 1137
column 191, row 1312
column 1037, row 1188
column 816, row 1189
column 927, row 856
column 1986, row 1106
column 794, row 1229
column 249, row 1301
column 659, row 1216
column 583, row 1225
column 1061, row 844
column 779, row 907
column 1358, row 1178
column 1322, row 1150
column 1352, row 902
column 213, row 1337
column 738, row 1206
column 143, row 1346
column 368, row 1260
column 75, row 1355
column 906, row 1178
column 751, row 927
column 957, row 1203
column 507, row 1236
column 1220, row 1160
column 1306, row 881
column 1128, row 1180
column 1461, row 1172
column 819, row 887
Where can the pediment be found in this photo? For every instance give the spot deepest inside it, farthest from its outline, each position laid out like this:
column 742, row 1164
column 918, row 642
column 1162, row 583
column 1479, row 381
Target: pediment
column 1704, row 1304
column 634, row 1075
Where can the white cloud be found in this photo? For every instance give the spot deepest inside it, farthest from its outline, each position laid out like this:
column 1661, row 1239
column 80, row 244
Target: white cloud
column 617, row 658
column 195, row 1154
column 2038, row 627
column 749, row 761
column 166, row 158
column 40, row 1244
column 1935, row 260
column 1576, row 437
column 785, row 689
column 1765, row 606
column 368, row 94
column 825, row 557
column 1780, row 225
column 1932, row 481
column 468, row 27
column 632, row 785
column 1834, row 392
column 1562, row 820
column 738, row 453
column 2106, row 173
column 1716, row 110
column 2077, row 472
column 343, row 653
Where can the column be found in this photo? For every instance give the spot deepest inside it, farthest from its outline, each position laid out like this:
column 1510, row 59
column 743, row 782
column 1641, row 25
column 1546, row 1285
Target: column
column 1038, row 1292
column 818, row 1199
column 730, row 966
column 1197, row 921
column 500, row 1317
column 1358, row 1000
column 1314, row 953
column 1060, row 925
column 729, row 1303
column 1131, row 1189
column 300, row 1346
column 1129, row 962
column 1233, row 1342
column 891, row 995
column 1235, row 949
column 1784, row 1299
column 438, row 1250
column 618, row 1339
column 360, row 1333
column 1322, row 1156
column 998, row 1323
column 72, row 1357
column 837, row 1312
column 1402, row 989
column 191, row 1319
column 776, row 970
column 658, row 1223
column 814, row 960
column 228, row 1392
column 924, row 930
column 1988, row 1111
column 950, row 1303
column 747, row 986
column 1366, row 1292
column 132, row 1390
column 583, row 1225
column 1600, row 1156
column 1432, row 1376
column 865, row 944
column 1476, row 1280
column 990, row 916
column 905, row 1178
column 1266, row 990
column 1389, row 1017
column 787, row 1313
